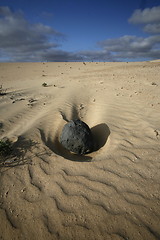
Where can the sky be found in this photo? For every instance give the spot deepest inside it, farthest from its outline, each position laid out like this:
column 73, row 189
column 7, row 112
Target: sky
column 79, row 30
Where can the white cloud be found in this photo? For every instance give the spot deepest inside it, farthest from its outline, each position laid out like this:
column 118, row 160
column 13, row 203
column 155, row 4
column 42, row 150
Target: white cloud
column 152, row 28
column 102, row 55
column 60, row 56
column 23, row 41
column 133, row 47
column 148, row 15
column 5, row 11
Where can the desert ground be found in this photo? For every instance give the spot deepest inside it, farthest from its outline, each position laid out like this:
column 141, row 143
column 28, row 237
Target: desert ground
column 49, row 193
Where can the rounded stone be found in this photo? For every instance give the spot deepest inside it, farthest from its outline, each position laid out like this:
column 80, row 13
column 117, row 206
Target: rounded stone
column 76, row 136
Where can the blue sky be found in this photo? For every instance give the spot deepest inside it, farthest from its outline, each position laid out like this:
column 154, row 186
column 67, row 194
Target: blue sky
column 79, row 30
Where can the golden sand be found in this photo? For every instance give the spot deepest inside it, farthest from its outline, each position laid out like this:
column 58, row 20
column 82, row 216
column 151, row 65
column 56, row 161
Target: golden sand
column 47, row 193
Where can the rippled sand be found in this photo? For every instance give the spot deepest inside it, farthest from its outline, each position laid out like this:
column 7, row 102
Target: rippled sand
column 112, row 193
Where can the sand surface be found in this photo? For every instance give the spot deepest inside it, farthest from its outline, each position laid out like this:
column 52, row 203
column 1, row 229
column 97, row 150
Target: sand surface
column 47, row 193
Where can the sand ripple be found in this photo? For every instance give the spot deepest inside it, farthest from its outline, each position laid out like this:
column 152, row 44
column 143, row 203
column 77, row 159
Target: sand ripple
column 111, row 193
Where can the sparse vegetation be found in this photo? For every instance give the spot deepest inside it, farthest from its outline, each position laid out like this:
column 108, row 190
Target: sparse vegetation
column 154, row 84
column 14, row 153
column 2, row 91
column 5, row 147
column 44, row 84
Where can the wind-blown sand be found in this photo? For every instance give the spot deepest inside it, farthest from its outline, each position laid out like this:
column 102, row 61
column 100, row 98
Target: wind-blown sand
column 112, row 193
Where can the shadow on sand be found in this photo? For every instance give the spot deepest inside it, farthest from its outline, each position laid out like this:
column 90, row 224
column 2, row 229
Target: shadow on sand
column 100, row 134
column 17, row 155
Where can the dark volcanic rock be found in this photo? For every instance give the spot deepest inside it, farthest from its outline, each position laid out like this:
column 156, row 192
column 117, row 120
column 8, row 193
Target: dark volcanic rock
column 76, row 137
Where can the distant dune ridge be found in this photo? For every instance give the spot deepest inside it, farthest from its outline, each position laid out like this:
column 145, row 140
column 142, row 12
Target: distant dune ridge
column 46, row 192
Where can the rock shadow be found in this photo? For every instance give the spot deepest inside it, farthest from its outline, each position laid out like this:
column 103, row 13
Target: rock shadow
column 100, row 135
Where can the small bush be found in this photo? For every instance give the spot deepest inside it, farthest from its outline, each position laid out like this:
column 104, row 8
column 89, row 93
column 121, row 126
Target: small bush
column 44, row 84
column 5, row 147
column 2, row 91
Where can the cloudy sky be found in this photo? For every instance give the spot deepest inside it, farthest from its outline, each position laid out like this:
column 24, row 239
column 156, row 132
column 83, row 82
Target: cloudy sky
column 79, row 30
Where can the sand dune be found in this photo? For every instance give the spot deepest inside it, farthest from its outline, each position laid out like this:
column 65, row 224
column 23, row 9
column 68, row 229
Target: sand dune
column 112, row 193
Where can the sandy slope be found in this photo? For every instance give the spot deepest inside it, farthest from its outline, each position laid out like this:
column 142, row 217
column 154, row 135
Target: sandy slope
column 112, row 193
